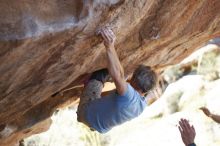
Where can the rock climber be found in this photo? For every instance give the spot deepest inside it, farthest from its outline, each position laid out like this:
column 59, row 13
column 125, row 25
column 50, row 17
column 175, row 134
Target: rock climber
column 124, row 103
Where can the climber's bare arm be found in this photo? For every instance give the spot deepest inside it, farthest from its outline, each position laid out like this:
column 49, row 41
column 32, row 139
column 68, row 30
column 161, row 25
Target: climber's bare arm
column 214, row 117
column 114, row 66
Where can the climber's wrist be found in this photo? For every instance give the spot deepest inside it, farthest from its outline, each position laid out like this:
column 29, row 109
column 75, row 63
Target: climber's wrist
column 110, row 47
column 192, row 144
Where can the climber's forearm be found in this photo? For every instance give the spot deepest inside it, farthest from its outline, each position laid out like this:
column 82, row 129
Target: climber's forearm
column 216, row 118
column 115, row 69
column 114, row 65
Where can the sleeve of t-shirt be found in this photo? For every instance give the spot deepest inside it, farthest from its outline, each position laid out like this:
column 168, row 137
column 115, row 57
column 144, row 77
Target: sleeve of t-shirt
column 128, row 95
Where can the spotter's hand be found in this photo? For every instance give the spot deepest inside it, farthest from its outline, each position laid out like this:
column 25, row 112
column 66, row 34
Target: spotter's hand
column 187, row 132
column 206, row 111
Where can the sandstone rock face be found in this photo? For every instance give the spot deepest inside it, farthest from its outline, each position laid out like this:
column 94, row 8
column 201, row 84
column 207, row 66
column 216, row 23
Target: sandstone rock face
column 47, row 46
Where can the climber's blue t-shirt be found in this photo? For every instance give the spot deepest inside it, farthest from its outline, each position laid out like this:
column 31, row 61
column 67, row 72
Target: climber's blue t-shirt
column 105, row 113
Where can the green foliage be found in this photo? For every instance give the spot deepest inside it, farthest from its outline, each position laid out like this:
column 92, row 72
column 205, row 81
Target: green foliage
column 89, row 137
column 209, row 65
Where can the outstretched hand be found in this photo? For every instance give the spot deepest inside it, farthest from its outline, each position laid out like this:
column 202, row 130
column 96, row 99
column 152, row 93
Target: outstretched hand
column 206, row 111
column 187, row 132
column 108, row 36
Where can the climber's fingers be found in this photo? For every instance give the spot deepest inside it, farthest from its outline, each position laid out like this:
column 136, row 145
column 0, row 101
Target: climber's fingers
column 110, row 34
column 98, row 31
column 105, row 37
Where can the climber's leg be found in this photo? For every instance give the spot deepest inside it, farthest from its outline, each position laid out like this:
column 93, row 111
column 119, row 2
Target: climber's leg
column 92, row 91
column 93, row 88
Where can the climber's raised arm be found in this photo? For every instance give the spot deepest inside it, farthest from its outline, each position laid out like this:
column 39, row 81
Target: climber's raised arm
column 114, row 66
